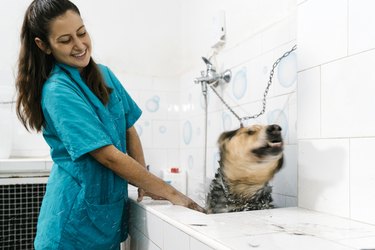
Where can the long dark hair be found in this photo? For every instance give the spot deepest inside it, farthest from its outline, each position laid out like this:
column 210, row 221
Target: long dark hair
column 34, row 66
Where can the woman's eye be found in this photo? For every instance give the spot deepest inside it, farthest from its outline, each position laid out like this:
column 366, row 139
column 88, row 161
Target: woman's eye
column 82, row 34
column 65, row 41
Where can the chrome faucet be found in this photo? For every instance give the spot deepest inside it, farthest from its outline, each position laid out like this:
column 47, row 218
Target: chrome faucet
column 210, row 76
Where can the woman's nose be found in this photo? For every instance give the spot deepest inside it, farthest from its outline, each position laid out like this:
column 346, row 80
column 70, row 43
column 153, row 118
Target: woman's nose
column 78, row 43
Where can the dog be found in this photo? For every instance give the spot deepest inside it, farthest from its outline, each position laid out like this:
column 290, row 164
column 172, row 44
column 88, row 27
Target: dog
column 249, row 159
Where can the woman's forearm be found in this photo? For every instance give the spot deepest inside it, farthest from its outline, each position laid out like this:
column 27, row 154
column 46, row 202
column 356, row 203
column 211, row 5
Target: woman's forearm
column 131, row 170
column 134, row 146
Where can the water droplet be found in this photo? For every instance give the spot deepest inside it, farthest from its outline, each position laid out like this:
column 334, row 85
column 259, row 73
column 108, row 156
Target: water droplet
column 227, row 121
column 187, row 132
column 239, row 85
column 162, row 129
column 152, row 104
column 139, row 129
column 287, row 70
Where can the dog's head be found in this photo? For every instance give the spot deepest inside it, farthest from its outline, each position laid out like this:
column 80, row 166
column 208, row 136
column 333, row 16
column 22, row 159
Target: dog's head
column 251, row 154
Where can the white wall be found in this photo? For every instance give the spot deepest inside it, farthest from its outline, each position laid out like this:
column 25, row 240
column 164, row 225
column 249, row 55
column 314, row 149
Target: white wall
column 140, row 41
column 258, row 32
column 24, row 143
column 336, row 125
column 141, row 37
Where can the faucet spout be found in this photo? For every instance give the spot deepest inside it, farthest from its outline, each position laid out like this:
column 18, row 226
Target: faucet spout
column 201, row 79
column 210, row 76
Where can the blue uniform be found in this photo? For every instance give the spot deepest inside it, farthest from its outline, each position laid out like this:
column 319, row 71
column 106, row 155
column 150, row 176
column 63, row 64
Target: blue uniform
column 85, row 205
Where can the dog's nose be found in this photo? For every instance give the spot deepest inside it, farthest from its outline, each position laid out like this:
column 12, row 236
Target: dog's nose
column 273, row 129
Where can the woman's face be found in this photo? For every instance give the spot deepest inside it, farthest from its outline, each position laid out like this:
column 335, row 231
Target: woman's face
column 69, row 41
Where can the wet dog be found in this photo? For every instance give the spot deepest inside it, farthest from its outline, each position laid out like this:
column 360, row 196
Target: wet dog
column 249, row 158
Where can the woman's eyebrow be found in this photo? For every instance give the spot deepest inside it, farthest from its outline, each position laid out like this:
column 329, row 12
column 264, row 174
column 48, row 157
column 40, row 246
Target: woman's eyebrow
column 81, row 27
column 69, row 34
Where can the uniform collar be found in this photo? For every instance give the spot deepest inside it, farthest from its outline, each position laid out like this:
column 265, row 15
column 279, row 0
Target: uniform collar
column 73, row 71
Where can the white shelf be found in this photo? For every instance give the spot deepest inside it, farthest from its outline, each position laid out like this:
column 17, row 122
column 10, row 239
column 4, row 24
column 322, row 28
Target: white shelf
column 15, row 166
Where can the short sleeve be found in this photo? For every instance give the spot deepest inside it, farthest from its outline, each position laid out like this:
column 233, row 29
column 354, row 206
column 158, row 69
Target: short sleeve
column 73, row 119
column 133, row 112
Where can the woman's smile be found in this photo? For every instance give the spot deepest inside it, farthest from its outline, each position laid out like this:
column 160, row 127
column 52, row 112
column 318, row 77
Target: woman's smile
column 80, row 55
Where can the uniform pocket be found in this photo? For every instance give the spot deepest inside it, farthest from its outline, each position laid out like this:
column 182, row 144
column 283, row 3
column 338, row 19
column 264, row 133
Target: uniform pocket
column 94, row 226
column 116, row 108
column 105, row 218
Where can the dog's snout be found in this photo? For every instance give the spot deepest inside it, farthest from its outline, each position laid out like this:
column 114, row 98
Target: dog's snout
column 274, row 129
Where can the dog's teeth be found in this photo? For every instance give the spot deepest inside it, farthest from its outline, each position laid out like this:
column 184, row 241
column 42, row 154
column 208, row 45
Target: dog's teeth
column 275, row 144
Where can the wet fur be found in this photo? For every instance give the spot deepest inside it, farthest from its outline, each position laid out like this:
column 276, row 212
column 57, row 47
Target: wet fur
column 249, row 159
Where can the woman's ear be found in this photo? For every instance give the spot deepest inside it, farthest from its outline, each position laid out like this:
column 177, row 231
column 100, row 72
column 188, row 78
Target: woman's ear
column 41, row 45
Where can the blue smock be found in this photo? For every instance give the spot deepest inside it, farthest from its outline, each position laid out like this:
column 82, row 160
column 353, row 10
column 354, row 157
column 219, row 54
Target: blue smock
column 85, row 205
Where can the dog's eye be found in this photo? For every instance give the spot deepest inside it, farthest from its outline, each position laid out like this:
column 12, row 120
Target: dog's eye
column 250, row 132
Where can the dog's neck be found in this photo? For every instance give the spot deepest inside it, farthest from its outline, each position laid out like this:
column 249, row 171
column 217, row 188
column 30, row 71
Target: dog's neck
column 223, row 183
column 238, row 188
column 247, row 200
column 234, row 189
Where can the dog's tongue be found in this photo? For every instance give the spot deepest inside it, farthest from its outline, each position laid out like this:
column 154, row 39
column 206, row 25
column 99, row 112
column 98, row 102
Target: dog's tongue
column 275, row 144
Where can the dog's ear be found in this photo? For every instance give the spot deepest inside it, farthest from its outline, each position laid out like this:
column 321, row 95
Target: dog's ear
column 227, row 135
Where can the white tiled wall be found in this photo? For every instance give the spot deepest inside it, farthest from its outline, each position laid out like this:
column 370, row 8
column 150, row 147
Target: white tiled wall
column 12, row 133
column 347, row 96
column 322, row 32
column 323, row 175
column 335, row 100
column 250, row 53
column 362, row 179
column 359, row 16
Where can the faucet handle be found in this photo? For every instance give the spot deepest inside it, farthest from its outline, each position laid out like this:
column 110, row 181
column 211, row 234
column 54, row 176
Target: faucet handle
column 209, row 65
column 226, row 75
column 206, row 61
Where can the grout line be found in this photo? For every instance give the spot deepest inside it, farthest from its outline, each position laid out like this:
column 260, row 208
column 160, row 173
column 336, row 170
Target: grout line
column 349, row 163
column 320, row 101
column 347, row 27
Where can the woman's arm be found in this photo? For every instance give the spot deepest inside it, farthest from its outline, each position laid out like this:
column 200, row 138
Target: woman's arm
column 134, row 146
column 131, row 170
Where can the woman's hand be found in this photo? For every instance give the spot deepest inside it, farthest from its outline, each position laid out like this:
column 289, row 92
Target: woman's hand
column 132, row 171
column 185, row 201
column 142, row 193
column 179, row 199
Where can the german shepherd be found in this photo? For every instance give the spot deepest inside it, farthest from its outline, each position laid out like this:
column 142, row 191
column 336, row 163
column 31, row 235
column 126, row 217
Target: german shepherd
column 249, row 159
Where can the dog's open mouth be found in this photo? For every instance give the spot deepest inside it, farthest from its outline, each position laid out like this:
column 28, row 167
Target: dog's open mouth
column 275, row 144
column 271, row 148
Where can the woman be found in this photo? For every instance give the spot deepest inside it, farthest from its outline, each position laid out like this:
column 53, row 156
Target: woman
column 87, row 119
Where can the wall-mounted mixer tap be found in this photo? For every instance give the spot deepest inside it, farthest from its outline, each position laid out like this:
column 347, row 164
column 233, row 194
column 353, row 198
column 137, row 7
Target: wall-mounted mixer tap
column 210, row 76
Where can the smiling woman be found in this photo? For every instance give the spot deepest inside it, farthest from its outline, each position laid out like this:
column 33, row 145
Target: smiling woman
column 87, row 119
column 69, row 41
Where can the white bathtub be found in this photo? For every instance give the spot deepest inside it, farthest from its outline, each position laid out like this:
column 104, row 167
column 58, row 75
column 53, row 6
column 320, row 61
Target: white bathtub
column 160, row 225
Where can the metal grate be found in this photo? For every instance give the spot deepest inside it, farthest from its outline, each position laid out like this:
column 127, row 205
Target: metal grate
column 19, row 209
